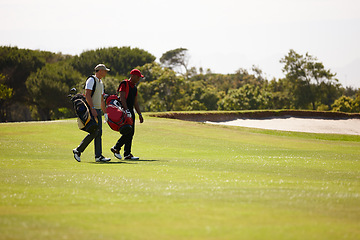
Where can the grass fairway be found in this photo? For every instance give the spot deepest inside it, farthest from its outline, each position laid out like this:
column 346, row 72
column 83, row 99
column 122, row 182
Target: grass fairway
column 194, row 181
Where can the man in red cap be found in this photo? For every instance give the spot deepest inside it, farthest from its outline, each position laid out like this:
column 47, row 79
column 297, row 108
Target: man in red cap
column 128, row 97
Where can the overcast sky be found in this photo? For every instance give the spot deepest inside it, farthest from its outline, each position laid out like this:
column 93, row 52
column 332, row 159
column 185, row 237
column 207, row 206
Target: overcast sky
column 223, row 35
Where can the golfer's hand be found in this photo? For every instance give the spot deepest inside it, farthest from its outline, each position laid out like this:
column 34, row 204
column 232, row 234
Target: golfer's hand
column 141, row 118
column 128, row 113
column 106, row 117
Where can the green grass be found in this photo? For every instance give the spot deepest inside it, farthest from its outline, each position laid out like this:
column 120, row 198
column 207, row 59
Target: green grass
column 194, row 181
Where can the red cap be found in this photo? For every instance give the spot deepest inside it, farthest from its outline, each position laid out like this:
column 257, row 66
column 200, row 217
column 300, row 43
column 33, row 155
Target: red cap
column 136, row 72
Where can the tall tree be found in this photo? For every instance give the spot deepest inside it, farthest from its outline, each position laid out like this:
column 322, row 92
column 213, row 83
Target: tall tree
column 306, row 74
column 162, row 93
column 6, row 94
column 119, row 60
column 50, row 86
column 176, row 58
column 16, row 65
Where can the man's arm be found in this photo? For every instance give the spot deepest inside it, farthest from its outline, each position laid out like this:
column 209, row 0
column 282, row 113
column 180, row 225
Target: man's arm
column 103, row 107
column 137, row 108
column 123, row 100
column 90, row 102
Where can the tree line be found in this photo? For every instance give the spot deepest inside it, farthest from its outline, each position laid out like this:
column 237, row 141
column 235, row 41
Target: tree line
column 34, row 84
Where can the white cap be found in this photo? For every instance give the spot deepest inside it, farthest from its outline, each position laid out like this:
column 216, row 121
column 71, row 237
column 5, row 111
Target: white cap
column 101, row 67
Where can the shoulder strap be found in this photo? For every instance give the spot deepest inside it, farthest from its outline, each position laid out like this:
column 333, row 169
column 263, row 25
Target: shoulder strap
column 94, row 86
column 126, row 88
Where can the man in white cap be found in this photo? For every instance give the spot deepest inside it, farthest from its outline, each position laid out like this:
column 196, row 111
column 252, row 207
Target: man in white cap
column 94, row 91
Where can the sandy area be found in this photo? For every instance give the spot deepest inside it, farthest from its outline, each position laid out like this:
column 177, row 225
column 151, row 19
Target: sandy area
column 311, row 125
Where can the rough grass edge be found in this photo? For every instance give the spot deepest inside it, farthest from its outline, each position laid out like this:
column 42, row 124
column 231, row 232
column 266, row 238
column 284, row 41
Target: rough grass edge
column 220, row 116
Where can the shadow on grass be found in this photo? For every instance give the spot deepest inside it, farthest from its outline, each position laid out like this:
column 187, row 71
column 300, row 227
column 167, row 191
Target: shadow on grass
column 121, row 162
column 127, row 161
column 143, row 160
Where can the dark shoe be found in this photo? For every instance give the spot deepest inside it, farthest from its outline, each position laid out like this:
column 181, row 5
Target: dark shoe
column 116, row 153
column 131, row 157
column 102, row 159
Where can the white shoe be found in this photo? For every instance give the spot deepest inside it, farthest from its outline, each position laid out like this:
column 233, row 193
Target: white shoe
column 131, row 157
column 102, row 159
column 116, row 153
column 77, row 155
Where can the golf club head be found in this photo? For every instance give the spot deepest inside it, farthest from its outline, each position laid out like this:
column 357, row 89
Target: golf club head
column 73, row 91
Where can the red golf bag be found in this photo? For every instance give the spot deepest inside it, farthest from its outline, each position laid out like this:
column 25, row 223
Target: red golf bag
column 117, row 118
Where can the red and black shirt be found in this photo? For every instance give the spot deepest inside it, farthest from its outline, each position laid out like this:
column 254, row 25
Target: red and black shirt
column 131, row 92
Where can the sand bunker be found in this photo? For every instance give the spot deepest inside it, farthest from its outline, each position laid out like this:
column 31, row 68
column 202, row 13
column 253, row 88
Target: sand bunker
column 311, row 125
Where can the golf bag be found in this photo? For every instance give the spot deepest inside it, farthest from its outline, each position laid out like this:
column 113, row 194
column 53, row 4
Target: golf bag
column 117, row 118
column 85, row 119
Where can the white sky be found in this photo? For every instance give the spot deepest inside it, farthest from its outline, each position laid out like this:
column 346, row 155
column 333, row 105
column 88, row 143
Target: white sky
column 223, row 35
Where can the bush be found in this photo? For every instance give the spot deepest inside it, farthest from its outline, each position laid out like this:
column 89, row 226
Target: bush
column 343, row 104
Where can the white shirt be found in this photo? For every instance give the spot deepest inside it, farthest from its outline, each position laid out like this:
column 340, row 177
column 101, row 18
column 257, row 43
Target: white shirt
column 99, row 90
